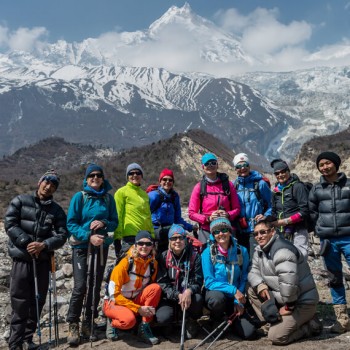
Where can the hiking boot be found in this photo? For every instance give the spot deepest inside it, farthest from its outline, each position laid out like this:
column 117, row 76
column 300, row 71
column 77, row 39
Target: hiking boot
column 86, row 331
column 316, row 325
column 73, row 337
column 192, row 328
column 342, row 324
column 264, row 330
column 145, row 334
column 111, row 332
column 30, row 345
column 16, row 347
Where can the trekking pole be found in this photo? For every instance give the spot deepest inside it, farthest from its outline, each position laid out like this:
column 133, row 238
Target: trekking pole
column 36, row 298
column 93, row 296
column 50, row 309
column 55, row 304
column 182, row 342
column 88, row 263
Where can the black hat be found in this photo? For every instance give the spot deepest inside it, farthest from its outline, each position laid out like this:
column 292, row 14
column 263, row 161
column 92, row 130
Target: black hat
column 143, row 234
column 278, row 165
column 333, row 157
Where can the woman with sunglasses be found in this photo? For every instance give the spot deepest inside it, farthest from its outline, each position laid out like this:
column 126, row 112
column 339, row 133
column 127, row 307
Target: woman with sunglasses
column 225, row 269
column 91, row 220
column 133, row 208
column 166, row 209
column 171, row 278
column 290, row 206
column 213, row 197
column 132, row 291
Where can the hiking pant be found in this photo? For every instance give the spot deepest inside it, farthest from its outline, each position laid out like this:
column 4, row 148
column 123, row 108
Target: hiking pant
column 80, row 276
column 220, row 305
column 290, row 328
column 332, row 259
column 203, row 236
column 126, row 243
column 169, row 310
column 23, row 299
column 247, row 240
column 122, row 317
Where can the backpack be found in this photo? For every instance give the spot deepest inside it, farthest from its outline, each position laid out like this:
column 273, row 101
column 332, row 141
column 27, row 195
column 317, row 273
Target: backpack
column 85, row 196
column 162, row 196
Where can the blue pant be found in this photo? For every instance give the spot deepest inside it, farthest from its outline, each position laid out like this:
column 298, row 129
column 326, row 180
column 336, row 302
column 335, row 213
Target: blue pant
column 332, row 259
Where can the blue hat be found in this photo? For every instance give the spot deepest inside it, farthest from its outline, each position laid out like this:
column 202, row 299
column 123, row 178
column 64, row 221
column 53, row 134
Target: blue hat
column 143, row 234
column 93, row 167
column 133, row 166
column 176, row 229
column 219, row 224
column 208, row 156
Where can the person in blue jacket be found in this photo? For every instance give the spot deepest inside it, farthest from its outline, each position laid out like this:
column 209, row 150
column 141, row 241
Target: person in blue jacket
column 166, row 209
column 254, row 195
column 225, row 270
column 91, row 221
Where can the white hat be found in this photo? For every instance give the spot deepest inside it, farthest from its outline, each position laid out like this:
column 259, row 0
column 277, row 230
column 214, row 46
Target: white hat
column 240, row 157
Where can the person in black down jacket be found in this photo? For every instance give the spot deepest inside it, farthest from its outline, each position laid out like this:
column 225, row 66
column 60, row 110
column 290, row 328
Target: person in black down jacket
column 170, row 277
column 329, row 203
column 36, row 226
column 290, row 206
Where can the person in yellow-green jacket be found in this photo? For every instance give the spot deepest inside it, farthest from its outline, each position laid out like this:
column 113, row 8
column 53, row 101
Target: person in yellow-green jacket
column 133, row 209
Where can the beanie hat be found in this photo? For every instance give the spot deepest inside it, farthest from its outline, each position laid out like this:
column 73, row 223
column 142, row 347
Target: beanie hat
column 92, row 167
column 333, row 157
column 219, row 224
column 207, row 157
column 133, row 166
column 176, row 229
column 240, row 157
column 278, row 165
column 52, row 176
column 166, row 172
column 143, row 234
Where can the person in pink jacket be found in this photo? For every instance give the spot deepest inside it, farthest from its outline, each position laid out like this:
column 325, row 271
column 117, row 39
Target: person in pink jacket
column 214, row 196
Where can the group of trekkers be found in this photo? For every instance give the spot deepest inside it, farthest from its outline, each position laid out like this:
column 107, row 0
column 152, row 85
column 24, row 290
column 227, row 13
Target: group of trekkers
column 243, row 261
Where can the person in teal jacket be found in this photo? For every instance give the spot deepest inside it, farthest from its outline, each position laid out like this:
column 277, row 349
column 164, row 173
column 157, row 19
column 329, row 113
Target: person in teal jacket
column 225, row 269
column 91, row 221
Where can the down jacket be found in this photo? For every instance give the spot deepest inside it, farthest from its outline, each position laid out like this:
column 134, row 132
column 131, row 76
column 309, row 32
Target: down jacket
column 329, row 206
column 281, row 267
column 29, row 219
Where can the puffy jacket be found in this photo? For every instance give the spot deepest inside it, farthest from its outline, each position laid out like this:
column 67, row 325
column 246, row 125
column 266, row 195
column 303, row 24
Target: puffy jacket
column 330, row 207
column 166, row 209
column 29, row 219
column 86, row 207
column 216, row 275
column 125, row 285
column 134, row 212
column 171, row 279
column 252, row 203
column 211, row 202
column 291, row 200
column 281, row 267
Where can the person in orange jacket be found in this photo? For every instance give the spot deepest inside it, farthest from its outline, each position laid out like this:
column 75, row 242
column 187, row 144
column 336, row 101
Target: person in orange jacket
column 132, row 291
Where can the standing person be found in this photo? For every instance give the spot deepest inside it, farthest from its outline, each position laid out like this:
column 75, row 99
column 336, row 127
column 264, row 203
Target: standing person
column 92, row 215
column 290, row 206
column 329, row 203
column 36, row 226
column 132, row 291
column 225, row 269
column 166, row 209
column 171, row 278
column 133, row 209
column 255, row 199
column 282, row 290
column 214, row 196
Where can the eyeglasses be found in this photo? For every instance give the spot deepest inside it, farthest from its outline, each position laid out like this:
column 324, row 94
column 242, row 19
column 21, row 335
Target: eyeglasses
column 261, row 232
column 211, row 163
column 243, row 165
column 223, row 230
column 137, row 173
column 91, row 176
column 177, row 238
column 281, row 172
column 147, row 244
column 164, row 179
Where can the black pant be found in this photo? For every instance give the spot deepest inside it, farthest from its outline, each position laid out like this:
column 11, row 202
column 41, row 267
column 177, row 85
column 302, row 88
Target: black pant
column 23, row 299
column 80, row 275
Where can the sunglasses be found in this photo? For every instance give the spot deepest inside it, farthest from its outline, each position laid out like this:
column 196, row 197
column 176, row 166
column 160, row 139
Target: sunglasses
column 280, row 172
column 147, row 244
column 223, row 230
column 243, row 165
column 261, row 232
column 131, row 173
column 91, row 176
column 177, row 238
column 167, row 180
column 211, row 163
